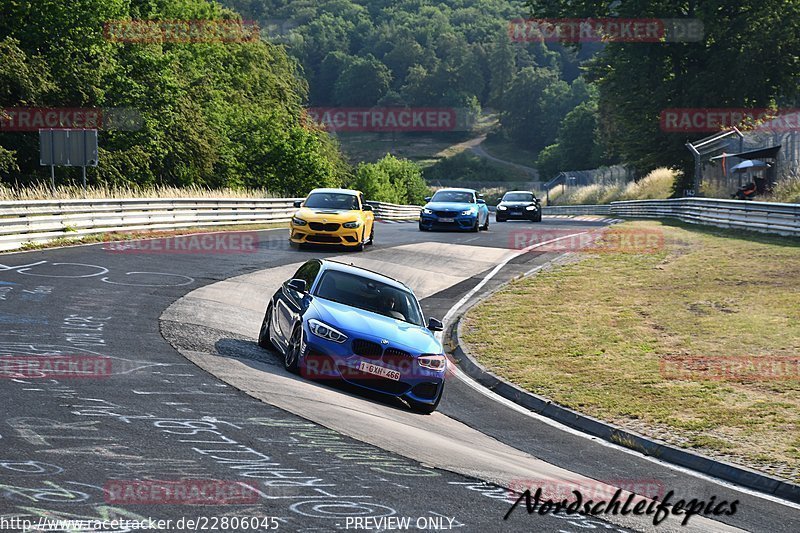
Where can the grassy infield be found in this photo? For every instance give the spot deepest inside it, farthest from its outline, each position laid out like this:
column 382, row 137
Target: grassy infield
column 591, row 336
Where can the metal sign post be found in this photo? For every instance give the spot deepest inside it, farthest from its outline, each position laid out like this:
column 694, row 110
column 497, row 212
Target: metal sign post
column 69, row 148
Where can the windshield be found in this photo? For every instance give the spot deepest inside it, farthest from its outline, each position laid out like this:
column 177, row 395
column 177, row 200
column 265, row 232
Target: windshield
column 518, row 197
column 370, row 295
column 454, row 196
column 332, row 200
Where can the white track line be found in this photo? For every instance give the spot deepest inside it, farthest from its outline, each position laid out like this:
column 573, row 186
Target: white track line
column 453, row 310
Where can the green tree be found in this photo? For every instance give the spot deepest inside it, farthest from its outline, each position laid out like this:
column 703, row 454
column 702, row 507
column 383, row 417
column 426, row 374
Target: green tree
column 735, row 64
column 375, row 183
column 502, row 68
column 212, row 114
column 362, row 83
column 577, row 145
column 533, row 107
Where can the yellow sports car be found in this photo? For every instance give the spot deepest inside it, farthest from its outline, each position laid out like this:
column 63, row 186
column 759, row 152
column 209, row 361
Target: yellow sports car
column 333, row 216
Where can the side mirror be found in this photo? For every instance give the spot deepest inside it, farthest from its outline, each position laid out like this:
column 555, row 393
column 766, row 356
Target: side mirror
column 427, row 198
column 298, row 203
column 367, row 207
column 435, row 325
column 298, row 285
column 481, row 201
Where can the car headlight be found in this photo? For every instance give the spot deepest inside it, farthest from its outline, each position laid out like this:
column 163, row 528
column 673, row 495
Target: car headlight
column 501, row 207
column 467, row 212
column 351, row 225
column 298, row 221
column 530, row 208
column 426, row 211
column 432, row 362
column 321, row 329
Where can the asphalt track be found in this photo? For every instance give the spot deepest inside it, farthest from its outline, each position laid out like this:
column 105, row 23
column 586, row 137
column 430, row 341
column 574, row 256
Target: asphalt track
column 190, row 395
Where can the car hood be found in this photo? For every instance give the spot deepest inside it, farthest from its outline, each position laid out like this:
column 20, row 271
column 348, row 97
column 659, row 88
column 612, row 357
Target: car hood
column 517, row 204
column 449, row 206
column 330, row 215
column 365, row 324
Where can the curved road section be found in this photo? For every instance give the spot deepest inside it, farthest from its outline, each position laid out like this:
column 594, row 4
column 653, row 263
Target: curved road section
column 134, row 395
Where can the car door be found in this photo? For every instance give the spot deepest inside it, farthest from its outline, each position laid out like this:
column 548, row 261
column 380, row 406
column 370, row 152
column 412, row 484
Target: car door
column 291, row 304
column 480, row 218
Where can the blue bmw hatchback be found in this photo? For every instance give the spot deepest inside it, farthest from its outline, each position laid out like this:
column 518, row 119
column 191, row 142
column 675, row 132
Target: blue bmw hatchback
column 338, row 321
column 461, row 209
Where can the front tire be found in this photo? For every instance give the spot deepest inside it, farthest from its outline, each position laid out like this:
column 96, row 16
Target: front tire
column 291, row 358
column 476, row 228
column 360, row 246
column 486, row 226
column 263, row 335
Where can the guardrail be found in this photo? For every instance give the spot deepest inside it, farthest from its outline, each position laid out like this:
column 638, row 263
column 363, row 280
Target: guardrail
column 386, row 211
column 577, row 210
column 41, row 221
column 766, row 217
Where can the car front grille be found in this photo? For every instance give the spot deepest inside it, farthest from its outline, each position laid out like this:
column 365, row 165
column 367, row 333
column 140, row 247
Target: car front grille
column 367, row 349
column 398, row 358
column 319, row 226
column 446, row 213
column 324, row 238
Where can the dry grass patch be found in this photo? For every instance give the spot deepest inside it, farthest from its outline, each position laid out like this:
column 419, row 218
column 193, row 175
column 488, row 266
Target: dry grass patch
column 43, row 192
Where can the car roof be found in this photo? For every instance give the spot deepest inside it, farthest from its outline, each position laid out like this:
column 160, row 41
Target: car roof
column 329, row 264
column 457, row 190
column 340, row 191
column 526, row 192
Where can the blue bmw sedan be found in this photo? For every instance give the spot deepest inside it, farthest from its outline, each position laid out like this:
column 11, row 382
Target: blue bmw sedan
column 461, row 209
column 338, row 321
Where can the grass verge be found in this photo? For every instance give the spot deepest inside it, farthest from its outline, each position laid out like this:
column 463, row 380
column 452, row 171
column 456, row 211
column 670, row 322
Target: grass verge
column 100, row 192
column 595, row 335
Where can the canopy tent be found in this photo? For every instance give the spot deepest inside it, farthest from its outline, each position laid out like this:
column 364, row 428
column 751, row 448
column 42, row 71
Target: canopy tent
column 766, row 153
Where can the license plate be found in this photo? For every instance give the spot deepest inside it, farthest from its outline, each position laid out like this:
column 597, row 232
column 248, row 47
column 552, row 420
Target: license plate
column 446, row 219
column 376, row 370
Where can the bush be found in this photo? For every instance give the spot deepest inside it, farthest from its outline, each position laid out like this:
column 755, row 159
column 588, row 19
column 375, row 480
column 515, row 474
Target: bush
column 787, row 189
column 657, row 185
column 392, row 180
